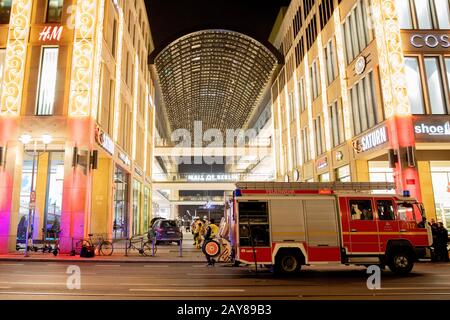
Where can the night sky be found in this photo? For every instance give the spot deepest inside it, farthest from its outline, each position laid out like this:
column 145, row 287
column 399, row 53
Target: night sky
column 173, row 18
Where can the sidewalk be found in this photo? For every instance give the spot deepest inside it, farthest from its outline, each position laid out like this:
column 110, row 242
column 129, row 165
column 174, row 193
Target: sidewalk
column 164, row 254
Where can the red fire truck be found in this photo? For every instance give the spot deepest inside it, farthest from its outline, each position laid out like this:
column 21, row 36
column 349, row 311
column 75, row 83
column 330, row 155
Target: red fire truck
column 287, row 225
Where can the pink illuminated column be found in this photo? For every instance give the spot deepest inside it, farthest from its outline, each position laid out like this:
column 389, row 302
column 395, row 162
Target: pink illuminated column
column 77, row 183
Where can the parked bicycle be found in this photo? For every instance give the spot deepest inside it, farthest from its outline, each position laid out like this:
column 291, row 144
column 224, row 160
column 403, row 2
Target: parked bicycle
column 138, row 243
column 102, row 246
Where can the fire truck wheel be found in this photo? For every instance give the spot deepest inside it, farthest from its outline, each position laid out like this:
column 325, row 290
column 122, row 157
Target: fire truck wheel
column 287, row 262
column 400, row 261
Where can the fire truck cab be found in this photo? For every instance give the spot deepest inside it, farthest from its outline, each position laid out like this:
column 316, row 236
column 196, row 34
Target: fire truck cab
column 287, row 225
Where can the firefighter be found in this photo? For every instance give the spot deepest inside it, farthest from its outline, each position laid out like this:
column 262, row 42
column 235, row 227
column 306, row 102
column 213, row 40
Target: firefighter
column 211, row 232
column 197, row 233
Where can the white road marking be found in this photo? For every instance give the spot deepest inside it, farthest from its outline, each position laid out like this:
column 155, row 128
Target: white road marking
column 415, row 288
column 213, row 274
column 107, row 265
column 11, row 264
column 5, row 287
column 35, row 283
column 154, row 266
column 188, row 290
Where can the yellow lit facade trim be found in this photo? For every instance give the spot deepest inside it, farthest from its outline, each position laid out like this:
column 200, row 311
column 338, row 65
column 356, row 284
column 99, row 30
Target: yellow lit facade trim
column 287, row 111
column 118, row 76
column 342, row 75
column 326, row 119
column 82, row 60
column 135, row 103
column 98, row 59
column 16, row 53
column 146, row 107
column 279, row 134
column 391, row 59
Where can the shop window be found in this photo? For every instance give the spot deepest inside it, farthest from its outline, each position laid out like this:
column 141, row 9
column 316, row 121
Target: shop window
column 52, row 218
column 385, row 210
column 5, row 11
column 343, row 174
column 379, row 171
column 440, row 176
column 121, row 185
column 361, row 209
column 28, row 184
column 324, row 177
column 136, row 207
column 254, row 224
column 54, row 11
column 414, row 85
column 47, row 81
column 2, row 67
column 435, row 86
column 146, row 208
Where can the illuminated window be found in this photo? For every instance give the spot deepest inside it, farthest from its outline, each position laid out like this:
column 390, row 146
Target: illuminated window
column 314, row 70
column 337, row 124
column 435, row 87
column 47, row 81
column 302, row 94
column 5, row 11
column 318, row 135
column 305, row 145
column 356, row 31
column 364, row 106
column 54, row 11
column 404, row 14
column 2, row 67
column 330, row 58
column 414, row 85
column 292, row 112
column 429, row 14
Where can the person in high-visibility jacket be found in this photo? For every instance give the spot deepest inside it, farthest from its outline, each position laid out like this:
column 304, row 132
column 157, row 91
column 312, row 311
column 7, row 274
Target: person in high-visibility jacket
column 211, row 232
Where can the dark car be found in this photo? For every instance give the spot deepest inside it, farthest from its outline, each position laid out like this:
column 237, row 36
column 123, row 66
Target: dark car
column 167, row 231
column 152, row 222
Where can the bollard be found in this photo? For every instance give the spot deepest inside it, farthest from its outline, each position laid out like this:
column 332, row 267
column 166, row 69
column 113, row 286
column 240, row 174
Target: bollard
column 181, row 247
column 126, row 248
column 153, row 246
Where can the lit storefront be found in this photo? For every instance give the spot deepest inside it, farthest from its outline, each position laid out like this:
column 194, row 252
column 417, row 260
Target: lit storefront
column 64, row 110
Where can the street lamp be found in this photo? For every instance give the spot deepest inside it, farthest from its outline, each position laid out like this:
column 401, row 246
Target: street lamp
column 26, row 139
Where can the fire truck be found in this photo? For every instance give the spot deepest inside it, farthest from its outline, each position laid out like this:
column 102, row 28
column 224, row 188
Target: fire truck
column 288, row 225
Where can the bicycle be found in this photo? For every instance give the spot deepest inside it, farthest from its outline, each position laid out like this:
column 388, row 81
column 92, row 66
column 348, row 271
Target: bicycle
column 145, row 248
column 102, row 246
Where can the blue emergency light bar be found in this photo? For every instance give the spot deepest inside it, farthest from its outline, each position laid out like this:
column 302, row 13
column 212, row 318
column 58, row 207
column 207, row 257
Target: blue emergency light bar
column 238, row 193
column 406, row 193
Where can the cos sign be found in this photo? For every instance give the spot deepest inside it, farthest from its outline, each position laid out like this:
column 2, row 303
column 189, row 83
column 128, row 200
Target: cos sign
column 430, row 41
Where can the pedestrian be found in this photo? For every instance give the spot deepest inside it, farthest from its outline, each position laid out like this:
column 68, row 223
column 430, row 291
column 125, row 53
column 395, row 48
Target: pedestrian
column 197, row 233
column 433, row 225
column 211, row 231
column 442, row 239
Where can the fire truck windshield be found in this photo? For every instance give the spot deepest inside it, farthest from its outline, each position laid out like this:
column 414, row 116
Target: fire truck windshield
column 409, row 211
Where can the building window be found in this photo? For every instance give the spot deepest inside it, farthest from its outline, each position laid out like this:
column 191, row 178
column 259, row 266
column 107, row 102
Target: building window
column 435, row 86
column 363, row 102
column 318, row 135
column 294, row 153
column 325, row 177
column 47, row 81
column 314, row 69
column 404, row 14
column 414, row 85
column 429, row 14
column 2, row 68
column 356, row 31
column 54, row 11
column 337, row 124
column 5, row 11
column 305, row 145
column 379, row 171
column 114, row 38
column 343, row 174
column 292, row 112
column 331, row 62
column 302, row 94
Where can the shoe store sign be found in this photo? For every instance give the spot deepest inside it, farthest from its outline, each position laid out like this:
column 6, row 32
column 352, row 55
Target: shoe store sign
column 432, row 129
column 371, row 140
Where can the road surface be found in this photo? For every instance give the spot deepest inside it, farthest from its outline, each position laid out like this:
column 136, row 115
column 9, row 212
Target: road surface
column 43, row 280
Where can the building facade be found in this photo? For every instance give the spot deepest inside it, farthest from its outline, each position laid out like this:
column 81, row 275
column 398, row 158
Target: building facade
column 76, row 119
column 364, row 95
